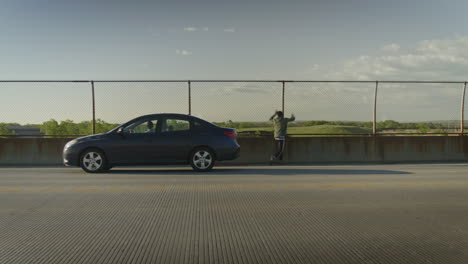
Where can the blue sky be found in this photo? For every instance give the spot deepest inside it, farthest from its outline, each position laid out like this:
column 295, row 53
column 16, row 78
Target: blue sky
column 385, row 40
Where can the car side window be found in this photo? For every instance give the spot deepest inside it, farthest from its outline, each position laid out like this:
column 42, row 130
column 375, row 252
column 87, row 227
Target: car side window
column 142, row 127
column 196, row 125
column 175, row 125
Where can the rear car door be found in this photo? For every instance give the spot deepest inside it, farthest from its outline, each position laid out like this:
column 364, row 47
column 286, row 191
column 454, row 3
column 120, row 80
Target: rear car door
column 175, row 139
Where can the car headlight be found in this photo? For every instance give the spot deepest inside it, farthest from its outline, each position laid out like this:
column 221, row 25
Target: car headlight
column 69, row 144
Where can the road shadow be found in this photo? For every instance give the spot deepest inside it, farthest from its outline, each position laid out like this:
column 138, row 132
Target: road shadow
column 274, row 171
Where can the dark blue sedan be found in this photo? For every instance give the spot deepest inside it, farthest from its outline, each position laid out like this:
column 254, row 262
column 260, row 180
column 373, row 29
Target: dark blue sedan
column 159, row 139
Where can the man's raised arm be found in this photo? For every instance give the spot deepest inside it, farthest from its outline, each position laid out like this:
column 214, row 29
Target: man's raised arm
column 273, row 116
column 292, row 118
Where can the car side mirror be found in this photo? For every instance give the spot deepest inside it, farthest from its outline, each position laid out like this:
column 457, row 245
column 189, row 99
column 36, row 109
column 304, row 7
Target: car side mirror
column 120, row 131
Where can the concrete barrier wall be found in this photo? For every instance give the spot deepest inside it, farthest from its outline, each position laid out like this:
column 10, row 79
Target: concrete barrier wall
column 358, row 149
column 31, row 151
column 318, row 150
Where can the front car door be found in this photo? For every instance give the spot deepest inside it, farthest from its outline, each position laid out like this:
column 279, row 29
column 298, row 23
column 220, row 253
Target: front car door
column 135, row 144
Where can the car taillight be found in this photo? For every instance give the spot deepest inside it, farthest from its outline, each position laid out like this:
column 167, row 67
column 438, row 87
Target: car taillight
column 230, row 134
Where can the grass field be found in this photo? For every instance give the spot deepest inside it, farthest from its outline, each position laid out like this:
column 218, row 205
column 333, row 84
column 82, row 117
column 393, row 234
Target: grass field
column 323, row 129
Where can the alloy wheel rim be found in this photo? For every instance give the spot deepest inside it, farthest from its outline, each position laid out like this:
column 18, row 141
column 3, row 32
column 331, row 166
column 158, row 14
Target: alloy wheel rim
column 202, row 159
column 92, row 161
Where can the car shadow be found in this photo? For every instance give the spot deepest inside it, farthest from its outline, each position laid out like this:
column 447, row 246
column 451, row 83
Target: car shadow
column 260, row 171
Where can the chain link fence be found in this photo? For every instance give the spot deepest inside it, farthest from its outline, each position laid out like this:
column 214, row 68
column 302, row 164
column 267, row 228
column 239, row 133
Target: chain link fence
column 235, row 101
column 419, row 108
column 118, row 102
column 336, row 108
column 73, row 108
column 42, row 105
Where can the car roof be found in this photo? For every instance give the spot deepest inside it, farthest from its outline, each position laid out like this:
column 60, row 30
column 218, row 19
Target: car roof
column 166, row 115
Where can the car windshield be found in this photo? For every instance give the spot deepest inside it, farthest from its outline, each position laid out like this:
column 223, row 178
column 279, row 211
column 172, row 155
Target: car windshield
column 141, row 126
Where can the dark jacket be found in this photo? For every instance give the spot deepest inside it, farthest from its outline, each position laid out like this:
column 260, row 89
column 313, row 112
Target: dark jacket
column 280, row 125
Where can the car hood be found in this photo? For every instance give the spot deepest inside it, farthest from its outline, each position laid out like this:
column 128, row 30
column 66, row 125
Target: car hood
column 90, row 137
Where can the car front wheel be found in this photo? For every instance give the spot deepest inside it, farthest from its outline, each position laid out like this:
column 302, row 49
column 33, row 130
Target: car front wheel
column 202, row 159
column 93, row 161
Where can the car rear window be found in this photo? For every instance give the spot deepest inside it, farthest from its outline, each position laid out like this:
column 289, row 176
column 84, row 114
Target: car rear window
column 175, row 125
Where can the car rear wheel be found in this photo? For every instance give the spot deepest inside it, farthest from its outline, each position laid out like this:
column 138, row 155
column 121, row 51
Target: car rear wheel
column 93, row 161
column 202, row 159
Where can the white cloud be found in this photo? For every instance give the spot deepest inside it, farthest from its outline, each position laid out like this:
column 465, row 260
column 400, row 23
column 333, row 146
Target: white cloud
column 230, row 30
column 430, row 60
column 193, row 29
column 183, row 52
column 391, row 47
column 190, row 29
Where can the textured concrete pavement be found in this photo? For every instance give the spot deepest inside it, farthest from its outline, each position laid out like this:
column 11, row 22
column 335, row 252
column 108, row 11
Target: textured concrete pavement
column 285, row 214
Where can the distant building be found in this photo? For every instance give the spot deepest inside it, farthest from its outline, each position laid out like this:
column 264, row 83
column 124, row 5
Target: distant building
column 28, row 132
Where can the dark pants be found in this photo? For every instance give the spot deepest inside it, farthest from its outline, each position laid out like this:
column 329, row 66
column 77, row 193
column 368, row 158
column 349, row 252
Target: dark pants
column 279, row 143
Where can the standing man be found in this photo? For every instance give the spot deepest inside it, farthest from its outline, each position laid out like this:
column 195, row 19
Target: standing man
column 280, row 124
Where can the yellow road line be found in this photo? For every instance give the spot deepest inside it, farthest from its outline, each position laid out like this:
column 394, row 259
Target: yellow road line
column 227, row 187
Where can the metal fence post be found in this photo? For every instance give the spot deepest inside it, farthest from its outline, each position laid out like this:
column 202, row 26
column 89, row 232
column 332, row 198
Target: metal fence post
column 374, row 119
column 282, row 107
column 189, row 98
column 94, row 108
column 462, row 119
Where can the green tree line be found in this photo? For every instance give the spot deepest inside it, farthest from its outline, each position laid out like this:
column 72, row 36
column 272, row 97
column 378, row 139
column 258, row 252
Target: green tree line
column 69, row 127
column 381, row 125
column 66, row 127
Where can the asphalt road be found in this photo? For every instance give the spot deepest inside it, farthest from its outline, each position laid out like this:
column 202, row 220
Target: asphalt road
column 286, row 214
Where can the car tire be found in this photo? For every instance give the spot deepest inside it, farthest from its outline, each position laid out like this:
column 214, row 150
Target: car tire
column 202, row 159
column 93, row 161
